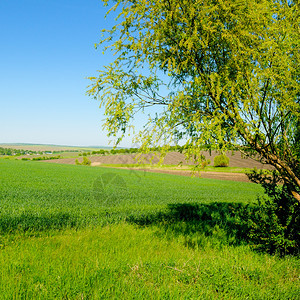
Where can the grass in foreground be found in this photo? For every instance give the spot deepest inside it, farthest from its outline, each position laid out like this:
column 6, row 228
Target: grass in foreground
column 63, row 237
column 126, row 262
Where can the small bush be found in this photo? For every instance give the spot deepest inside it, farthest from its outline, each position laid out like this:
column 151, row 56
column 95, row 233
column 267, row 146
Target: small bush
column 221, row 161
column 86, row 161
column 274, row 225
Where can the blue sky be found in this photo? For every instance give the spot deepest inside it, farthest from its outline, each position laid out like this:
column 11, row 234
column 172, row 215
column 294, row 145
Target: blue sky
column 46, row 53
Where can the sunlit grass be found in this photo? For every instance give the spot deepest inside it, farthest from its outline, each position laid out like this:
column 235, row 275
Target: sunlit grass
column 122, row 261
column 35, row 195
column 60, row 240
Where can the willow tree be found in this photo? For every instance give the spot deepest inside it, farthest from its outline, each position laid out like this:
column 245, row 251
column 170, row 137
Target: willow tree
column 224, row 72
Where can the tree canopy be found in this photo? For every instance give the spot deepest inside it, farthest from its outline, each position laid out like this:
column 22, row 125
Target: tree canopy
column 225, row 72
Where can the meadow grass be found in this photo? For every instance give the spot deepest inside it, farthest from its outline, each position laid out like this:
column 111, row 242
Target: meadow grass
column 137, row 236
column 122, row 261
column 42, row 195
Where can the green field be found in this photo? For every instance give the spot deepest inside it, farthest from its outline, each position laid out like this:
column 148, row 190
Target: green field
column 76, row 232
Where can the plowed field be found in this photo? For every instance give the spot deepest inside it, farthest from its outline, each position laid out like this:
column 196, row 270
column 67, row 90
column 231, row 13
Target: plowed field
column 174, row 158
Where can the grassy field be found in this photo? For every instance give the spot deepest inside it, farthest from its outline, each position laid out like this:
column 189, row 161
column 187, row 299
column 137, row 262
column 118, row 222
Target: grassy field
column 76, row 232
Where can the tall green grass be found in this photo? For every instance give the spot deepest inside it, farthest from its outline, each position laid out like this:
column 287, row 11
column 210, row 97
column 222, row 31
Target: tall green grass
column 144, row 236
column 125, row 262
column 39, row 196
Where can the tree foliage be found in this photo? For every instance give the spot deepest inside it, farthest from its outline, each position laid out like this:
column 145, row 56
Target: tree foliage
column 224, row 72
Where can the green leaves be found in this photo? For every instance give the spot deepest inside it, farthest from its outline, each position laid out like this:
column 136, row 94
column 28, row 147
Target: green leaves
column 226, row 72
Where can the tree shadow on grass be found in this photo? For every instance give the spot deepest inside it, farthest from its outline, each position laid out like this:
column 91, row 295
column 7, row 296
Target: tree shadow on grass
column 29, row 222
column 226, row 223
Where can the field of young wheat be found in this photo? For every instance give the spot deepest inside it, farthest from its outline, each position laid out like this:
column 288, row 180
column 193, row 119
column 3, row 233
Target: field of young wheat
column 79, row 232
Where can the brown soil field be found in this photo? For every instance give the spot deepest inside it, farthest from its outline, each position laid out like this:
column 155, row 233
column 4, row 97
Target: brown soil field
column 174, row 158
column 202, row 174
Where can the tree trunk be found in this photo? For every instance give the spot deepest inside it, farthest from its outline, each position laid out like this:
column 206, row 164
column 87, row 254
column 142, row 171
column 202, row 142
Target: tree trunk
column 287, row 173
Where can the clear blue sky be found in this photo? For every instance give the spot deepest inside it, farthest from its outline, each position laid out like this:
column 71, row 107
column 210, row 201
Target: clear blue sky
column 46, row 53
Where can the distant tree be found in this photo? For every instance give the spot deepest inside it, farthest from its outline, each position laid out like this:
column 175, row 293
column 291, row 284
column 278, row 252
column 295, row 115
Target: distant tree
column 225, row 72
column 221, row 161
column 86, row 161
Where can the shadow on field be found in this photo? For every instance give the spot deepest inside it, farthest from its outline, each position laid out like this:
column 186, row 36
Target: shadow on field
column 226, row 222
column 29, row 222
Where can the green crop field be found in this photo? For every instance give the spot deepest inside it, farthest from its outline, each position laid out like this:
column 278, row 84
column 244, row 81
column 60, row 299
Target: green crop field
column 78, row 232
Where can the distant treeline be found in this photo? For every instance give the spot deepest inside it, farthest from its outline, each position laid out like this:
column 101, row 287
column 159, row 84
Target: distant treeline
column 42, row 158
column 18, row 152
column 112, row 151
column 11, row 151
column 129, row 150
column 46, row 157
